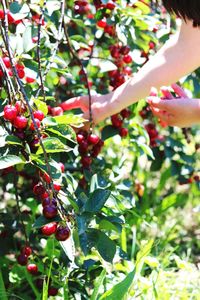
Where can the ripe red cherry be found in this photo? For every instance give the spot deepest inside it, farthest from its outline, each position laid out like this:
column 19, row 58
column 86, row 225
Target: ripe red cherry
column 86, row 161
column 47, row 201
column 151, row 45
column 45, row 176
column 50, row 211
column 22, row 259
column 29, row 79
column 38, row 114
column 26, row 250
column 20, row 107
column 116, row 121
column 62, row 167
column 32, row 126
column 44, row 196
column 32, row 269
column 83, row 147
column 49, row 229
column 93, row 139
column 52, row 291
column 125, row 113
column 62, row 233
column 2, row 14
column 39, row 189
column 123, row 132
column 10, row 18
column 127, row 59
column 110, row 5
column 57, row 186
column 6, row 61
column 80, row 138
column 21, row 73
column 20, row 122
column 125, row 50
column 102, row 23
column 10, row 112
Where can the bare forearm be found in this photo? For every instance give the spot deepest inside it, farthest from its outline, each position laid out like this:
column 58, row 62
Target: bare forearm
column 178, row 57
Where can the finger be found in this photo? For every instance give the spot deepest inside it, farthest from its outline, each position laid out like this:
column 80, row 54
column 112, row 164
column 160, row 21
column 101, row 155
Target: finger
column 158, row 103
column 179, row 90
column 166, row 93
column 76, row 102
column 153, row 92
column 161, row 115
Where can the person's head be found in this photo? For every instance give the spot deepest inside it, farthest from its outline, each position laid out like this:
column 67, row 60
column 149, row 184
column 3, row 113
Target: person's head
column 186, row 9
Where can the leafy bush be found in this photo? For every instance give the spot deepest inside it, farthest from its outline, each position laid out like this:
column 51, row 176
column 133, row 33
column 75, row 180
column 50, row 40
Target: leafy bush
column 91, row 215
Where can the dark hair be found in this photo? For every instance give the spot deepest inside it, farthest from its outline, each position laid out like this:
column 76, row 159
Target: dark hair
column 186, row 9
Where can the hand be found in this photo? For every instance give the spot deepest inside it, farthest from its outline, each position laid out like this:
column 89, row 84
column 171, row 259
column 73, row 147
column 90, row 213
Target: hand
column 99, row 106
column 181, row 112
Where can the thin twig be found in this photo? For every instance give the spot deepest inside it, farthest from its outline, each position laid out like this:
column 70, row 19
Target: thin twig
column 21, row 89
column 48, row 67
column 38, row 52
column 75, row 55
column 18, row 206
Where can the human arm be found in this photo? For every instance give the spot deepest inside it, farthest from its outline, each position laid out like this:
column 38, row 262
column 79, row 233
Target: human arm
column 178, row 57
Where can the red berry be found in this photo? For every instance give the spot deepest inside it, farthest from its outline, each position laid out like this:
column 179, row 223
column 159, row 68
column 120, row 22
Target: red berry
column 123, row 132
column 39, row 189
column 22, row 259
column 32, row 268
column 47, row 201
column 20, row 107
column 62, row 167
column 21, row 73
column 32, row 126
column 110, row 5
column 57, row 186
column 83, row 147
column 2, row 15
column 34, row 39
column 10, row 18
column 6, row 61
column 29, row 79
column 49, row 229
column 125, row 50
column 125, row 113
column 26, row 251
column 127, row 70
column 116, row 121
column 62, row 233
column 45, row 177
column 20, row 122
column 19, row 67
column 86, row 161
column 80, row 138
column 38, row 114
column 151, row 45
column 44, row 196
column 50, row 211
column 102, row 23
column 52, row 291
column 82, row 182
column 93, row 139
column 127, row 59
column 10, row 112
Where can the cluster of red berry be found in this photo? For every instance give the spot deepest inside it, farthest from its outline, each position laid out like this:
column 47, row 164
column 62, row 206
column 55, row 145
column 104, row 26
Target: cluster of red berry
column 109, row 5
column 121, row 58
column 19, row 68
column 153, row 134
column 90, row 146
column 81, row 7
column 118, row 120
column 106, row 10
column 15, row 115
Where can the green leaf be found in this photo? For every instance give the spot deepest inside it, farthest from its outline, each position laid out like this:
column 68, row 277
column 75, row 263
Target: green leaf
column 77, row 38
column 13, row 140
column 10, row 160
column 27, row 39
column 3, row 292
column 98, row 284
column 41, row 221
column 119, row 290
column 64, row 131
column 97, row 200
column 105, row 246
column 68, row 119
column 53, row 145
column 52, row 6
column 108, row 132
column 41, row 105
